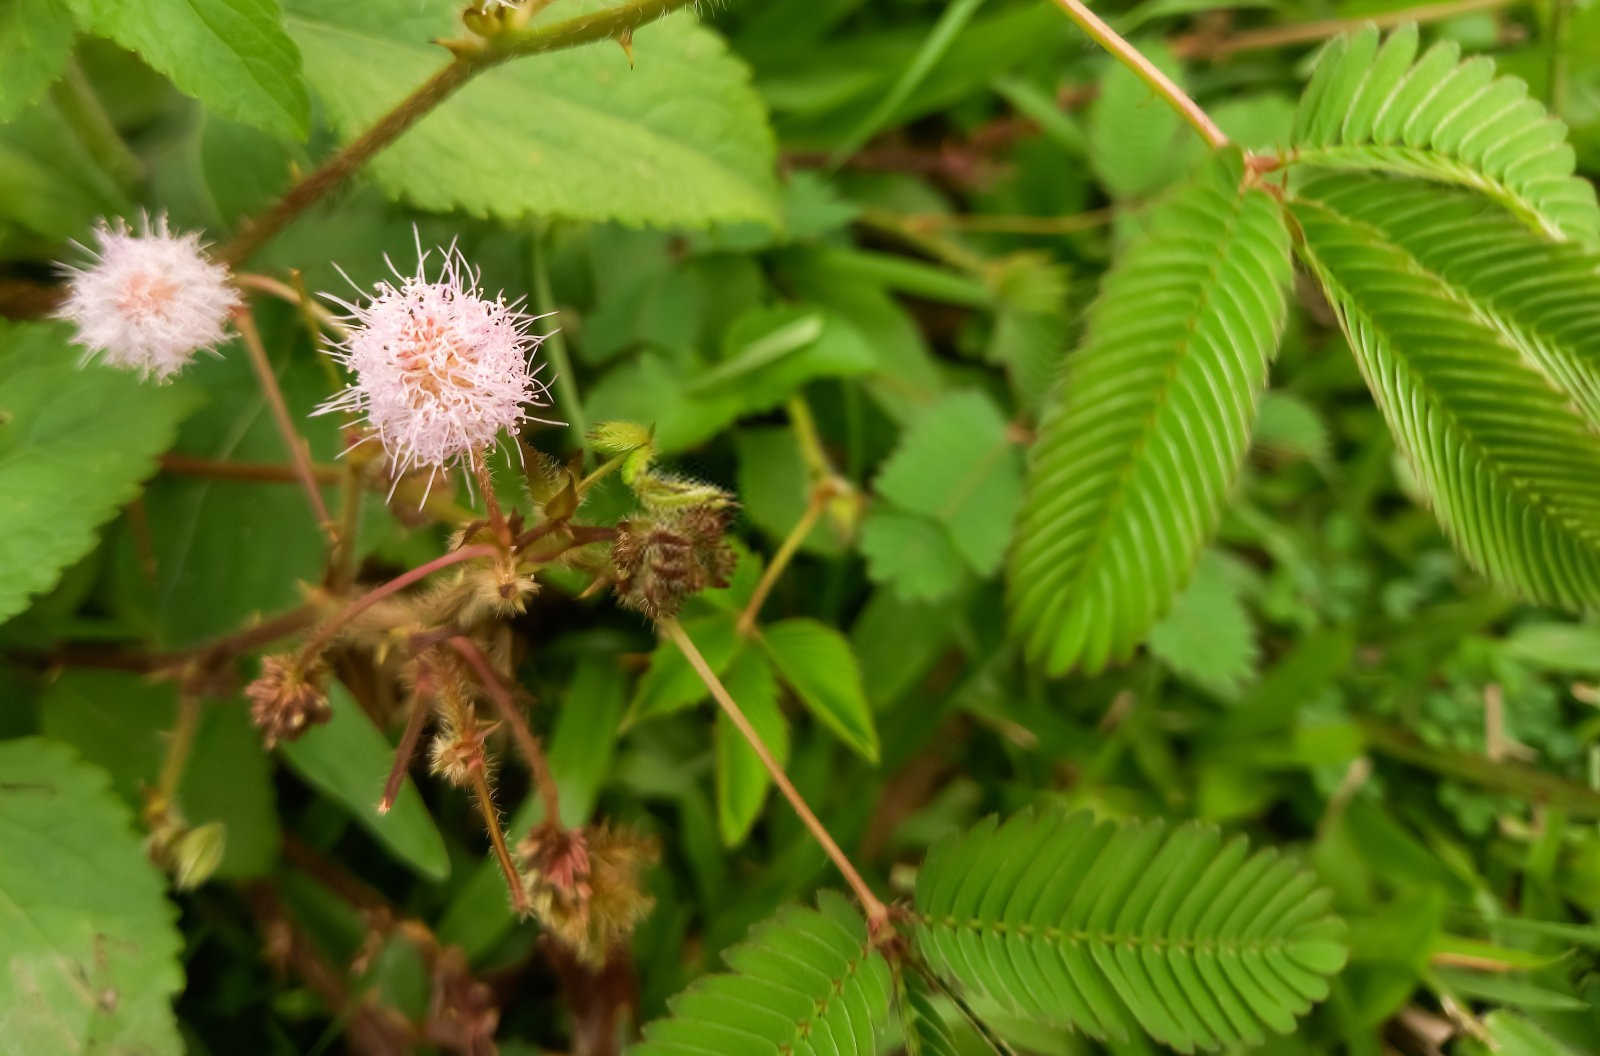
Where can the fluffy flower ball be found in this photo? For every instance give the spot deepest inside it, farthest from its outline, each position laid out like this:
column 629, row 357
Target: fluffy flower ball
column 439, row 369
column 150, row 300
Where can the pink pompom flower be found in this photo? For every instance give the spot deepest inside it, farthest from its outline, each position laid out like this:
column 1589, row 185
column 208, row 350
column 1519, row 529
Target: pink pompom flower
column 440, row 369
column 150, row 300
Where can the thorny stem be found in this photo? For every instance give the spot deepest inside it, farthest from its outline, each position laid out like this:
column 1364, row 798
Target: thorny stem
column 527, row 743
column 246, row 326
column 472, row 57
column 877, row 913
column 325, row 633
column 780, row 560
column 415, row 720
column 497, row 837
column 1145, row 70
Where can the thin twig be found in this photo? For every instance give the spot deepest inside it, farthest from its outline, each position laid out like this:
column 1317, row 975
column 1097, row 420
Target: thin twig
column 1145, row 70
column 317, row 641
column 318, row 314
column 415, row 720
column 491, row 501
column 780, row 560
column 877, row 913
column 221, row 469
column 245, row 324
column 472, row 57
column 1202, row 46
column 176, row 759
column 497, row 836
column 528, row 743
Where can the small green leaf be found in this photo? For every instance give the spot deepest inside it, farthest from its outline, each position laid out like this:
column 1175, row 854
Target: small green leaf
column 123, row 723
column 348, row 759
column 232, row 55
column 774, row 486
column 677, row 138
column 669, row 683
column 958, row 464
column 1208, row 637
column 816, row 661
column 74, row 445
column 768, row 353
column 1137, row 143
column 1564, row 647
column 910, row 553
column 742, row 781
column 36, row 39
column 1288, row 426
column 83, row 914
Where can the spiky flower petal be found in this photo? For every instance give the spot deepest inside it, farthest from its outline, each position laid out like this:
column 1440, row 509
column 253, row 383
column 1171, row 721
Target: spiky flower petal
column 150, row 300
column 440, row 370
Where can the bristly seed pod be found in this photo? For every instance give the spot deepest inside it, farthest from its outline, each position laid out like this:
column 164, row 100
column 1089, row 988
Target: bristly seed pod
column 584, row 885
column 285, row 701
column 662, row 558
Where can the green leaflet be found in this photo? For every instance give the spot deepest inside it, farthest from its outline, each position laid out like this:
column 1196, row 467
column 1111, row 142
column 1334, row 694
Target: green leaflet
column 816, row 661
column 679, row 139
column 36, row 39
column 806, row 982
column 1512, row 470
column 82, row 913
column 1148, row 429
column 1373, row 108
column 232, row 55
column 68, row 464
column 1112, row 927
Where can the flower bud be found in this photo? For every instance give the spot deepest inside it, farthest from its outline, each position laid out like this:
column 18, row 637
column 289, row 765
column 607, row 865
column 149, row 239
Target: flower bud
column 661, row 559
column 584, row 885
column 197, row 855
column 284, row 700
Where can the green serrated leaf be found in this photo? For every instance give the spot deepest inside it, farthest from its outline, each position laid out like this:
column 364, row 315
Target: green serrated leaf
column 1208, row 637
column 232, row 55
column 1137, row 143
column 676, row 139
column 958, row 465
column 348, row 758
column 89, row 942
column 912, row 554
column 816, row 661
column 36, row 39
column 742, row 781
column 123, row 723
column 68, row 462
column 1151, row 422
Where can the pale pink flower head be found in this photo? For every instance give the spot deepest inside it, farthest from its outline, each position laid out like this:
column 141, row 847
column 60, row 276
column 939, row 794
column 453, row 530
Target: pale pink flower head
column 149, row 300
column 440, row 369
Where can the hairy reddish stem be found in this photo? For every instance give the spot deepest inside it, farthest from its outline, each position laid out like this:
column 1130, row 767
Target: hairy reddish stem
column 528, row 743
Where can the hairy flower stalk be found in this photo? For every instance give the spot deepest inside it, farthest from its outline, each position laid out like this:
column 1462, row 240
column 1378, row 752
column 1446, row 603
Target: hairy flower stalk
column 149, row 300
column 440, row 370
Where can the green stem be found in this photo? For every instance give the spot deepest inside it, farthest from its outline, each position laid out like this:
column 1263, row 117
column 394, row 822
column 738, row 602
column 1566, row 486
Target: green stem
column 76, row 98
column 555, row 346
column 1145, row 70
column 472, row 57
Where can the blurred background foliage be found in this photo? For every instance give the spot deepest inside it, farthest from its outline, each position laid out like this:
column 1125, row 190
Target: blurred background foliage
column 951, row 179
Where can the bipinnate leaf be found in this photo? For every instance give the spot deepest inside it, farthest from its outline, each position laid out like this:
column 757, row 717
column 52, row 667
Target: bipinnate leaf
column 816, row 661
column 807, row 982
column 1374, row 108
column 89, row 944
column 1475, row 350
column 75, row 443
column 1114, row 928
column 232, row 55
column 676, row 138
column 1147, row 431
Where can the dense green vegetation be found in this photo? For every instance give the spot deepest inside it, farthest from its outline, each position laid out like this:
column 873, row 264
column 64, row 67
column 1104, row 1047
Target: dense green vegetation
column 1023, row 534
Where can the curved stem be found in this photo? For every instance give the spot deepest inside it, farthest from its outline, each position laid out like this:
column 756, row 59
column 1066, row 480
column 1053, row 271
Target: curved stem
column 325, row 633
column 877, row 913
column 1145, row 70
column 176, row 759
column 780, row 560
column 527, row 743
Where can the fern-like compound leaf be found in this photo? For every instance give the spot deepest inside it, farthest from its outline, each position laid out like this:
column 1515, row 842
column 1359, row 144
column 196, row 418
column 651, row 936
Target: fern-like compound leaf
column 1138, row 448
column 1113, row 928
column 1480, row 348
column 807, row 982
column 1375, row 107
